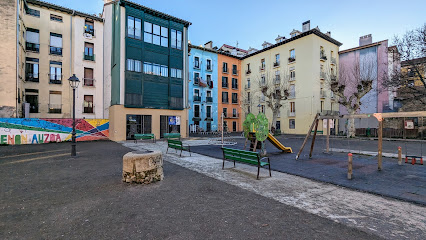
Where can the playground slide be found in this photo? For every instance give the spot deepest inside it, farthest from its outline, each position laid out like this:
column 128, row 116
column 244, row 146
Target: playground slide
column 278, row 145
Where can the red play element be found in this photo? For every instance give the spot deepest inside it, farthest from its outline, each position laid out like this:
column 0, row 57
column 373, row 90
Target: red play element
column 349, row 154
column 82, row 125
column 413, row 159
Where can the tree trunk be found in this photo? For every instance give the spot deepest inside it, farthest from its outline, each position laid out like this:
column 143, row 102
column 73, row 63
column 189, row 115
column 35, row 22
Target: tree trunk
column 274, row 119
column 351, row 125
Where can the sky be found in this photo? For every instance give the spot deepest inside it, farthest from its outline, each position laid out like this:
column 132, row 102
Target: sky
column 251, row 22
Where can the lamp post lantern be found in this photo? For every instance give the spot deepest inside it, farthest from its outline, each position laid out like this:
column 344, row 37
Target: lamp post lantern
column 74, row 81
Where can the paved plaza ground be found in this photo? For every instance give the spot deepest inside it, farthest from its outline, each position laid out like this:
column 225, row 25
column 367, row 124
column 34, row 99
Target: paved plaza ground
column 45, row 194
column 405, row 182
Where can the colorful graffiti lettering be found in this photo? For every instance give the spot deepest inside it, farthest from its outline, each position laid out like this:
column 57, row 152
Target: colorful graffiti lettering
column 36, row 131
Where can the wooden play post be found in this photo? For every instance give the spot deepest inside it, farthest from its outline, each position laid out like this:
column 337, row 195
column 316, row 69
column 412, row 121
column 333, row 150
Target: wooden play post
column 307, row 136
column 399, row 156
column 379, row 154
column 349, row 166
column 313, row 138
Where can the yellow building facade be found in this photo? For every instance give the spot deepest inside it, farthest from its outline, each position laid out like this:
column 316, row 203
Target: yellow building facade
column 304, row 64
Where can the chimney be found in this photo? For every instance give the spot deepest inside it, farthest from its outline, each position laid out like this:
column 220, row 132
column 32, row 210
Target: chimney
column 364, row 40
column 328, row 34
column 306, row 26
column 208, row 45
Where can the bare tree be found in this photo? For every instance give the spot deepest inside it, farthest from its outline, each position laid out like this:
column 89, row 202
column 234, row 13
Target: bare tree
column 412, row 53
column 273, row 91
column 354, row 80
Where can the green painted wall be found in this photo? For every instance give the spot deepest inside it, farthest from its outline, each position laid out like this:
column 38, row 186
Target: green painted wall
column 149, row 91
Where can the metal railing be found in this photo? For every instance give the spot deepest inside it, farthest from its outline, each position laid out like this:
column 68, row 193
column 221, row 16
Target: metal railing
column 89, row 82
column 292, row 79
column 31, row 77
column 89, row 57
column 55, row 78
column 33, row 47
column 55, row 108
column 197, row 98
column 88, row 107
column 248, row 71
column 209, row 99
column 235, row 72
column 291, row 59
column 276, row 64
column 291, row 113
column 55, row 50
column 323, row 56
column 262, row 68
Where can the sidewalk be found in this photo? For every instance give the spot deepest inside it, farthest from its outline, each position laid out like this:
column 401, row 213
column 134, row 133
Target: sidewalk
column 385, row 217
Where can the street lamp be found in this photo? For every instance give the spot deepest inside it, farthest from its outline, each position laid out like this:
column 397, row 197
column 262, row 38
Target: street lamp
column 74, row 85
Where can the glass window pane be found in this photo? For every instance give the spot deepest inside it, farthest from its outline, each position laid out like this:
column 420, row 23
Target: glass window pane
column 156, row 39
column 173, row 38
column 164, row 32
column 147, row 27
column 164, row 71
column 137, row 66
column 147, row 37
column 147, row 68
column 173, row 72
column 138, row 29
column 178, row 73
column 164, row 42
column 130, row 26
column 156, row 29
column 156, row 69
column 179, row 40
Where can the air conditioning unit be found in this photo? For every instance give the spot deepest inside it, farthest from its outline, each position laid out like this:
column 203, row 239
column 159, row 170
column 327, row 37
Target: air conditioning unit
column 87, row 35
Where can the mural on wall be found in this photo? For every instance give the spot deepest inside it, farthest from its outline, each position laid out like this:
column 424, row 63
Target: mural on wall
column 35, row 130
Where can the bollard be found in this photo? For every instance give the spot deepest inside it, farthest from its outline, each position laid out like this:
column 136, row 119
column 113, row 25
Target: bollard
column 349, row 166
column 399, row 156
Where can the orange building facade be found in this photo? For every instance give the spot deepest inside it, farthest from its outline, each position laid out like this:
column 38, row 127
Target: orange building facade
column 229, row 92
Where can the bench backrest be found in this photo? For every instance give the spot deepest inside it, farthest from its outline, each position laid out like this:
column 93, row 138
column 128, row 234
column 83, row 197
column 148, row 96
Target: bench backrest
column 144, row 135
column 240, row 155
column 171, row 135
column 172, row 142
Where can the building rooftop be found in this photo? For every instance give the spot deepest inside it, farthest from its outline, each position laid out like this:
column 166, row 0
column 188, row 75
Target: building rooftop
column 413, row 62
column 212, row 51
column 62, row 9
column 361, row 47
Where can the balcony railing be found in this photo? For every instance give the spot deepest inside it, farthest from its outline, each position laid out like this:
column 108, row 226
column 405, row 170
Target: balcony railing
column 333, row 61
column 197, row 66
column 55, row 78
column 291, row 113
column 224, row 85
column 234, row 101
column 209, row 69
column 247, row 86
column 197, row 98
column 322, row 75
column 33, row 47
column 89, row 57
column 224, row 70
column 261, row 68
column 277, row 79
column 55, row 108
column 291, row 59
column 323, row 56
column 248, row 71
column 56, row 50
column 235, row 72
column 323, row 94
column 231, row 115
column 292, row 79
column 209, row 99
column 89, row 30
column 225, row 100
column 88, row 107
column 234, row 86
column 31, row 77
column 89, row 82
column 276, row 64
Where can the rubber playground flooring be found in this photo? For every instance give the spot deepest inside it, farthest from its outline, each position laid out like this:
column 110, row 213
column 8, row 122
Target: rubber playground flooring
column 406, row 182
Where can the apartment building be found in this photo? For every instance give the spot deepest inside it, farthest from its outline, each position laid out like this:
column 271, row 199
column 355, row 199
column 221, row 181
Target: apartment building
column 203, row 88
column 302, row 64
column 53, row 43
column 146, row 65
column 229, row 92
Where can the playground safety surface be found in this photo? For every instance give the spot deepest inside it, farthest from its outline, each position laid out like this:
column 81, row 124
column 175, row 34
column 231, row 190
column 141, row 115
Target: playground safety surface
column 406, row 182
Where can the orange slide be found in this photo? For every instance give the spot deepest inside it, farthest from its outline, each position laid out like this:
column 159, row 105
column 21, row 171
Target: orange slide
column 278, row 145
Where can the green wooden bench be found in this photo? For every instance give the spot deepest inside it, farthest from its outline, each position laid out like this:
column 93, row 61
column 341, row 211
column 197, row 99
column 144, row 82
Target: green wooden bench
column 318, row 132
column 171, row 135
column 249, row 157
column 177, row 145
column 139, row 136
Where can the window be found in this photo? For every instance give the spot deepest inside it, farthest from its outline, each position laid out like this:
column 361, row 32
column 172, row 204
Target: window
column 277, row 60
column 209, row 111
column 225, row 126
column 33, row 12
column 225, row 67
column 209, row 98
column 262, row 80
column 292, row 107
column 292, row 75
column 262, row 108
column 225, row 82
column 248, row 69
column 88, row 77
column 156, row 34
column 88, row 104
column 134, row 27
column 152, row 68
column 292, row 57
column 32, row 70
column 292, row 123
column 262, row 64
column 89, row 27
column 234, row 97
column 209, row 64
column 31, row 97
column 88, row 51
column 278, row 125
column 156, row 69
column 234, row 112
column 130, row 65
column 196, row 78
column 55, row 74
column 292, row 91
column 225, row 112
column 55, row 44
column 197, row 111
column 32, row 40
column 234, row 83
column 55, row 102
column 209, row 80
column 176, row 73
column 277, row 76
column 322, row 53
column 225, row 97
column 176, row 39
column 248, row 97
column 234, row 70
column 164, row 71
column 197, row 62
column 248, row 83
column 56, row 18
column 322, row 106
column 234, row 126
column 138, row 124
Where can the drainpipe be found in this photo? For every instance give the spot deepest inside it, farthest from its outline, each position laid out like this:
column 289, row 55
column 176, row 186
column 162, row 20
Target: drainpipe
column 17, row 59
column 103, row 70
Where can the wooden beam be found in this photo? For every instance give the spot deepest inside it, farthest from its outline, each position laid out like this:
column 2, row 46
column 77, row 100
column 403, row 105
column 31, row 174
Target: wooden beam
column 307, row 136
column 313, row 138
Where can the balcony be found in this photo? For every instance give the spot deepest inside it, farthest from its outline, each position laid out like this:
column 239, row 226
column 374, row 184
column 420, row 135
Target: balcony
column 56, row 51
column 291, row 113
column 197, row 66
column 89, row 82
column 234, row 101
column 291, row 59
column 210, row 84
column 292, row 95
column 55, row 78
column 234, row 86
column 233, row 115
column 322, row 75
column 323, row 57
column 262, row 68
column 31, row 77
column 247, row 86
column 276, row 64
column 89, row 57
column 224, row 70
column 224, row 85
column 291, row 79
column 88, row 107
column 209, row 69
column 333, row 61
column 277, row 79
column 235, row 72
column 248, row 71
column 209, row 99
column 226, row 101
column 197, row 98
column 88, row 29
column 55, row 108
column 323, row 94
column 32, row 47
